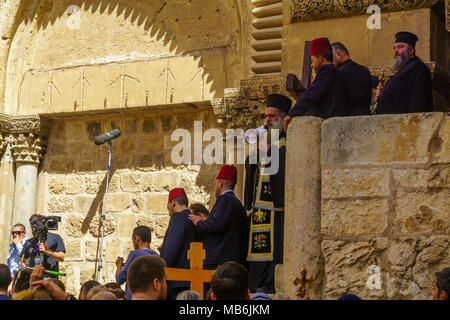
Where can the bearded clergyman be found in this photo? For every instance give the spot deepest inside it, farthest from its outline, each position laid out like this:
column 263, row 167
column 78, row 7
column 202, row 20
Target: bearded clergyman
column 410, row 89
column 264, row 201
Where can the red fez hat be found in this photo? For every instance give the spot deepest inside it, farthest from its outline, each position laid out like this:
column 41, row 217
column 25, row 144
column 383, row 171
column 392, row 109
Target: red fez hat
column 228, row 172
column 319, row 45
column 177, row 192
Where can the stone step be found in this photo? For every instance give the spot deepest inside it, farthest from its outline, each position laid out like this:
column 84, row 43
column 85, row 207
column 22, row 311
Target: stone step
column 270, row 44
column 265, row 34
column 268, row 22
column 266, row 67
column 266, row 56
column 267, row 11
column 261, row 3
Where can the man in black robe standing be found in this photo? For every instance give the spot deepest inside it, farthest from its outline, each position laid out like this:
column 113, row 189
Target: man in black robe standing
column 325, row 97
column 410, row 89
column 264, row 201
column 357, row 81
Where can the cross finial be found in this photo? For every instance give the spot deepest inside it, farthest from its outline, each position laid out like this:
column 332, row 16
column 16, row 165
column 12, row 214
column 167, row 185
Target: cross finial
column 301, row 282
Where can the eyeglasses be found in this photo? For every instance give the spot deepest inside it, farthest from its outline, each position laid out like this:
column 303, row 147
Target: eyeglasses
column 16, row 232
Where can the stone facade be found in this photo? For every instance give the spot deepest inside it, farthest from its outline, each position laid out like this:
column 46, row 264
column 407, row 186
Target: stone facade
column 384, row 212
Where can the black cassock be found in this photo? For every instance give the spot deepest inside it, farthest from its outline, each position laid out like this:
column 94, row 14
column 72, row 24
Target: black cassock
column 324, row 98
column 263, row 258
column 358, row 87
column 409, row 90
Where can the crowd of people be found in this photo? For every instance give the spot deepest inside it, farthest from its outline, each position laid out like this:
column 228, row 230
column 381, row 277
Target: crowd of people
column 243, row 241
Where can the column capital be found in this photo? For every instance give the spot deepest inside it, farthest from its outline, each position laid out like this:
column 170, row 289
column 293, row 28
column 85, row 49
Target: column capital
column 26, row 136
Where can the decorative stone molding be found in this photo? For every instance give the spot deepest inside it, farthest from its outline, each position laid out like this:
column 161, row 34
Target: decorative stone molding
column 26, row 135
column 243, row 107
column 308, row 10
column 27, row 148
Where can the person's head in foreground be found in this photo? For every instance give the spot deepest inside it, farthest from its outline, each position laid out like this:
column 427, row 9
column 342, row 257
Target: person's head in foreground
column 146, row 278
column 441, row 289
column 230, row 281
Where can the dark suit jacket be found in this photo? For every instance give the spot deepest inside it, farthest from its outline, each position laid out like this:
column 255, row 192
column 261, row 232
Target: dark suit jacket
column 324, row 98
column 225, row 232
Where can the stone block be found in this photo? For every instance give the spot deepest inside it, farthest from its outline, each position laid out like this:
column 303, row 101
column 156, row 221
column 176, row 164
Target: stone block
column 422, row 211
column 165, row 181
column 118, row 202
column 339, row 183
column 130, row 182
column 144, row 85
column 67, row 90
column 156, row 202
column 75, row 131
column 60, row 204
column 127, row 146
column 354, row 217
column 149, row 162
column 85, row 166
column 402, row 254
column 148, row 221
column 438, row 176
column 56, row 185
column 105, row 94
column 441, row 143
column 75, row 185
column 161, row 226
column 138, row 203
column 38, row 93
column 114, row 250
column 73, row 250
column 185, row 80
column 91, row 248
column 347, row 269
column 109, row 225
column 61, row 165
column 383, row 139
column 57, row 149
column 93, row 129
column 73, row 225
column 84, row 203
column 148, row 182
column 125, row 225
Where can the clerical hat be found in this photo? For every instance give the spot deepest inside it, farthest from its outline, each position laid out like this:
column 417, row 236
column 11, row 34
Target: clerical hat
column 406, row 37
column 228, row 172
column 319, row 45
column 175, row 193
column 279, row 101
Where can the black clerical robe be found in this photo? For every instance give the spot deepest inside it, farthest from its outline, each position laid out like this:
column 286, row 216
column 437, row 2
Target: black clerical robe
column 408, row 91
column 264, row 200
column 324, row 98
column 358, row 87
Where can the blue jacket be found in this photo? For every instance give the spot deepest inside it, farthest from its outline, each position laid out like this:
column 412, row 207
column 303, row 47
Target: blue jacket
column 225, row 231
column 179, row 235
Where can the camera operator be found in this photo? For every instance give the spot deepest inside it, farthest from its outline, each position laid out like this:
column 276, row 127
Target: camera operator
column 44, row 248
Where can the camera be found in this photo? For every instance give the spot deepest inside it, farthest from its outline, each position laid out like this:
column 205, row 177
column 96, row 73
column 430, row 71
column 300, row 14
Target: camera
column 40, row 226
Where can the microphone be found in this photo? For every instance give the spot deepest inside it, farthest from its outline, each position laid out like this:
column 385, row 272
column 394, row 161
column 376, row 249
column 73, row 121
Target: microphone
column 101, row 139
column 251, row 135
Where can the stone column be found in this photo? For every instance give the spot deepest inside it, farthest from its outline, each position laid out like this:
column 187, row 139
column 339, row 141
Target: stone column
column 6, row 196
column 27, row 152
column 302, row 237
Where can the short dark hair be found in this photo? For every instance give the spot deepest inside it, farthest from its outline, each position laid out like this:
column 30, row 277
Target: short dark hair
column 5, row 277
column 328, row 55
column 339, row 46
column 22, row 280
column 230, row 281
column 85, row 287
column 59, row 283
column 443, row 281
column 112, row 285
column 182, row 200
column 144, row 233
column 35, row 216
column 20, row 225
column 143, row 271
column 199, row 208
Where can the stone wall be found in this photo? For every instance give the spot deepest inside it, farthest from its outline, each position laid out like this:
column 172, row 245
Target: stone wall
column 385, row 217
column 72, row 183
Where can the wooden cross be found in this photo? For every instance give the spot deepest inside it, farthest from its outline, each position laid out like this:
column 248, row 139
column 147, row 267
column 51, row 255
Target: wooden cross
column 301, row 282
column 196, row 275
column 296, row 87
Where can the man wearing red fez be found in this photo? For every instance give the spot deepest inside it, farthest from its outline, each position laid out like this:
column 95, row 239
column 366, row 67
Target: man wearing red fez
column 264, row 202
column 410, row 89
column 325, row 97
column 179, row 235
column 225, row 231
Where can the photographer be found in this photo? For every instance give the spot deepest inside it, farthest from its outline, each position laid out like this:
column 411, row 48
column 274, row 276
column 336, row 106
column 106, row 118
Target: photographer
column 44, row 248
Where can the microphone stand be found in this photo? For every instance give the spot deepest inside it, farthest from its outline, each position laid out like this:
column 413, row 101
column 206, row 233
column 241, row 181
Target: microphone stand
column 100, row 266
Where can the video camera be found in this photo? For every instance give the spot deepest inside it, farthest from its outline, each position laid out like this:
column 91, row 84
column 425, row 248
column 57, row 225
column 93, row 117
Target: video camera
column 40, row 226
